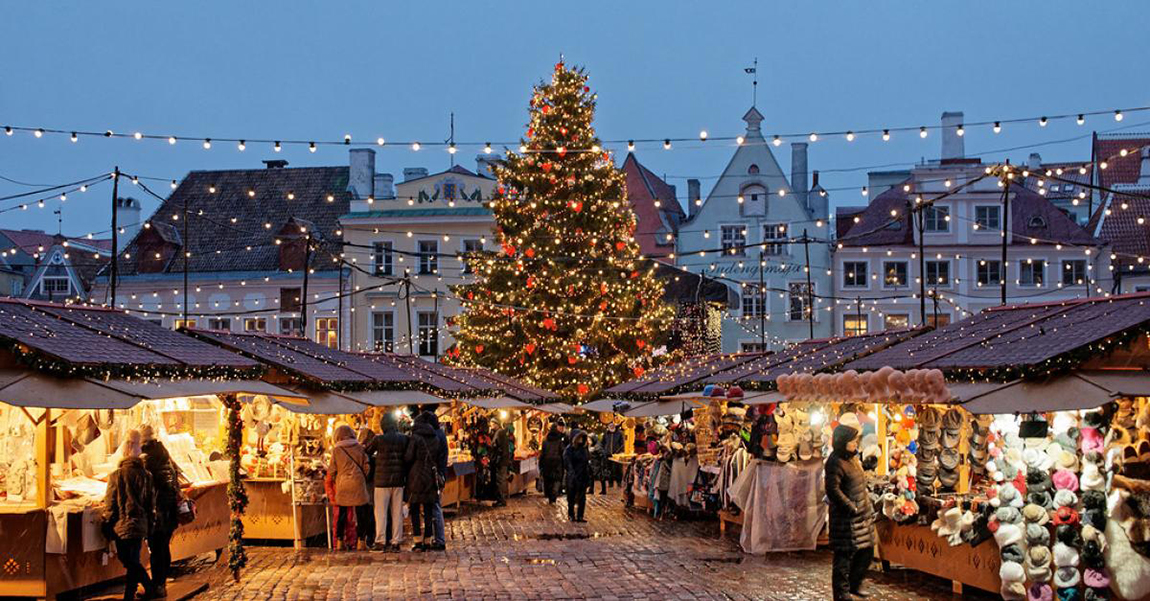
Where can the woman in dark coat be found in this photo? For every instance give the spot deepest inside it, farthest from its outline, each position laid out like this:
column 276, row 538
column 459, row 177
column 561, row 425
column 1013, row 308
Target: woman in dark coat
column 577, row 463
column 129, row 514
column 851, row 515
column 166, row 483
column 551, row 461
column 422, row 490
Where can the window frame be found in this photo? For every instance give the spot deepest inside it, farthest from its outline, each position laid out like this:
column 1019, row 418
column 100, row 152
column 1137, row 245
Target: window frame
column 428, row 260
column 949, row 275
column 776, row 248
column 327, row 331
column 291, row 331
column 430, row 341
column 738, row 242
column 886, row 320
column 215, row 322
column 466, row 267
column 758, row 300
column 906, row 275
column 804, row 299
column 382, row 333
column 856, row 331
column 986, row 263
column 933, row 215
column 1073, row 281
column 55, row 278
column 383, row 258
column 261, row 322
column 1027, row 265
column 997, row 218
column 865, row 274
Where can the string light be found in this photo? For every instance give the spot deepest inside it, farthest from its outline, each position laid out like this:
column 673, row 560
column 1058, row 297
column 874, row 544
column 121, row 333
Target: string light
column 277, row 146
column 39, row 133
column 171, row 139
column 703, row 135
column 777, row 141
column 997, row 127
column 1081, row 119
column 415, row 146
column 961, row 131
column 487, row 148
column 1118, row 115
column 1042, row 122
column 311, row 146
column 667, row 144
column 886, row 135
column 850, row 136
column 207, row 143
column 75, row 138
column 241, row 146
column 922, row 132
column 813, row 137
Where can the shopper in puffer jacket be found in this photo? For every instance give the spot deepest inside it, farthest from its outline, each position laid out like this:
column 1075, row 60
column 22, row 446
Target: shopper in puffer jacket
column 129, row 514
column 423, row 481
column 389, row 450
column 851, row 515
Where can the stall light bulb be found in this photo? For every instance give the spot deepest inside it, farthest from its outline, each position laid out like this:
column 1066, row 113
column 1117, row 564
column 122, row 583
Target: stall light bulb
column 502, row 414
column 886, row 135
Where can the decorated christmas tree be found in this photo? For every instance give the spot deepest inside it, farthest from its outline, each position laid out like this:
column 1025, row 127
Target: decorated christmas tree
column 567, row 303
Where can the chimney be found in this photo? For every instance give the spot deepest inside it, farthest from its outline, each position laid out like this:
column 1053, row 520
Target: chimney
column 694, row 197
column 384, row 185
column 275, row 163
column 128, row 219
column 953, row 146
column 799, row 171
column 485, row 165
column 410, row 173
column 361, row 173
column 1144, row 168
column 1034, row 162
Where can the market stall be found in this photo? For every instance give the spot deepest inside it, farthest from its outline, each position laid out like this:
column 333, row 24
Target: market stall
column 73, row 381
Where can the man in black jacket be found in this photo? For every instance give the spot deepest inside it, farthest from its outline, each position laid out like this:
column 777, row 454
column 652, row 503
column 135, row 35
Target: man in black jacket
column 388, row 449
column 551, row 461
column 851, row 515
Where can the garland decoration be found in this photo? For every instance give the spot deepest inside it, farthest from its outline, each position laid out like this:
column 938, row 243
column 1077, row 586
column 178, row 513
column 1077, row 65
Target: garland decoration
column 237, row 495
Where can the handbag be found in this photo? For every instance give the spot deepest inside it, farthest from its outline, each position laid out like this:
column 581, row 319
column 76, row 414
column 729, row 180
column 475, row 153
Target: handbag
column 186, row 512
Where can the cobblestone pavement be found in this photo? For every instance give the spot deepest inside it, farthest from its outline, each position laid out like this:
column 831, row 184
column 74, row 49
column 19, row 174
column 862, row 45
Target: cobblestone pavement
column 528, row 550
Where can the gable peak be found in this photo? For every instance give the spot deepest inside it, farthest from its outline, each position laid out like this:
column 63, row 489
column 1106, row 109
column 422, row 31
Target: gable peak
column 753, row 119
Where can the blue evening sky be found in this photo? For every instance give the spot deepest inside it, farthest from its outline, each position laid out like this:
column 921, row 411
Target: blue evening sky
column 295, row 69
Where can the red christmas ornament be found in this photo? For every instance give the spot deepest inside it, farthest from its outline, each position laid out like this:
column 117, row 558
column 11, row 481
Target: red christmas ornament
column 561, row 151
column 582, row 388
column 577, row 205
column 563, row 131
column 640, row 343
column 639, row 371
column 530, row 132
column 620, row 245
column 603, row 306
column 559, row 66
column 586, row 89
column 470, row 295
column 634, row 274
column 479, row 348
column 549, row 323
column 530, row 281
column 546, row 167
column 529, row 252
column 546, row 109
column 509, row 250
column 529, row 347
column 572, row 360
column 602, row 287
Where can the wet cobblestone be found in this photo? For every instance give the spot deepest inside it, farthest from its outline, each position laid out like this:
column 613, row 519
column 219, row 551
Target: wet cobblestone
column 528, row 550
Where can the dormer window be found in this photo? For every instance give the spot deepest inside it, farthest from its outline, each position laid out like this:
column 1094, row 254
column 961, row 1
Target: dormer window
column 753, row 169
column 1037, row 221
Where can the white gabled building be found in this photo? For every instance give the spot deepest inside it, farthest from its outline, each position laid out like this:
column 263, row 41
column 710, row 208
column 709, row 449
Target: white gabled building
column 758, row 217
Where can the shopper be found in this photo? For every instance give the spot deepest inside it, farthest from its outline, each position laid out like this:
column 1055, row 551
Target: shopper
column 348, row 471
column 389, row 450
column 851, row 515
column 600, row 465
column 439, row 542
column 365, row 514
column 422, row 482
column 129, row 514
column 577, row 463
column 503, row 452
column 551, row 461
column 612, row 443
column 166, row 484
column 663, row 480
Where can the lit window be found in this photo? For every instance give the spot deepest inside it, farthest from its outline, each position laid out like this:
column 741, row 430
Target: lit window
column 895, row 274
column 895, row 321
column 255, row 324
column 381, row 258
column 383, row 331
column 428, row 324
column 854, row 325
column 799, row 301
column 327, row 331
column 1073, row 272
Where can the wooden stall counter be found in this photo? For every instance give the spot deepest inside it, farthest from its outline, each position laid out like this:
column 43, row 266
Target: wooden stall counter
column 271, row 515
column 459, row 485
column 919, row 548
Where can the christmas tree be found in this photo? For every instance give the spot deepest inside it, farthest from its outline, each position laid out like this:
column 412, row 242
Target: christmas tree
column 567, row 303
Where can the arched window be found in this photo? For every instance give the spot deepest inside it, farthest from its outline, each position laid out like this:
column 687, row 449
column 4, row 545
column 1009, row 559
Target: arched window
column 1037, row 221
column 753, row 169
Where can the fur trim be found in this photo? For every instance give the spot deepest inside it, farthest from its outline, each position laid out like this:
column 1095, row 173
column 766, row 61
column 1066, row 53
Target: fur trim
column 1129, row 571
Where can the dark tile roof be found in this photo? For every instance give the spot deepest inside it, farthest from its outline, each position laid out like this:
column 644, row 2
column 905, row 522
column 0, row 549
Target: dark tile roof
column 1121, row 229
column 299, row 359
column 844, row 219
column 1031, row 216
column 444, row 212
column 681, row 286
column 218, row 244
column 1119, row 169
column 1017, row 336
column 678, row 376
column 103, row 338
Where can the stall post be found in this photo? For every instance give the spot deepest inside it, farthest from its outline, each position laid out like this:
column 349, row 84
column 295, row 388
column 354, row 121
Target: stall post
column 237, row 495
column 43, row 467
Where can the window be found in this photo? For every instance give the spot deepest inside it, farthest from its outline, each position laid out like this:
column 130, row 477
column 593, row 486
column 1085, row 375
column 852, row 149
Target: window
column 937, row 273
column 255, row 324
column 894, row 274
column 381, row 258
column 56, row 285
column 988, row 217
column 469, row 247
column 989, row 273
column 17, row 287
column 798, row 301
column 754, row 301
column 290, row 300
column 183, row 323
column 1073, row 272
column 1032, row 272
column 753, row 200
column 291, row 326
column 220, row 323
column 937, row 321
column 855, row 274
column 383, row 331
column 752, row 347
column 895, row 321
column 772, row 232
column 448, row 190
column 327, row 331
column 854, row 325
column 428, row 334
column 753, row 169
column 1037, row 221
column 734, row 240
column 428, row 256
column 936, row 219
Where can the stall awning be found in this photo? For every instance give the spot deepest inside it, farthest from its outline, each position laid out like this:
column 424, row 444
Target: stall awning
column 657, row 408
column 1076, row 390
column 26, row 388
column 607, row 405
column 323, row 402
column 556, row 408
column 503, row 402
column 395, row 398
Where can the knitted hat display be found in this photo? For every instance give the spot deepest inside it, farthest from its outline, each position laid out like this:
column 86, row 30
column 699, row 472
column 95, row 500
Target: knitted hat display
column 1008, row 495
column 1092, row 555
column 1066, row 577
column 1040, row 591
column 1065, row 480
column 1094, row 517
column 1008, row 534
column 1012, row 553
column 1068, row 535
column 1067, row 594
column 1065, row 515
column 1040, row 497
column 1096, row 578
column 1008, row 515
column 1037, row 535
column 1094, row 499
column 1065, row 556
column 1013, row 576
column 1065, row 498
column 1091, row 533
column 1035, row 514
column 1092, row 478
column 1037, row 564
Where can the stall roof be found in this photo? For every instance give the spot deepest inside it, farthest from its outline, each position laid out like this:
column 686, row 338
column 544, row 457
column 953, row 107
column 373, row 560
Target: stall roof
column 1066, row 392
column 1018, row 337
column 98, row 341
column 324, row 402
column 692, row 371
column 479, row 381
column 503, row 402
column 557, row 408
column 607, row 405
column 28, row 388
column 658, row 408
column 810, row 356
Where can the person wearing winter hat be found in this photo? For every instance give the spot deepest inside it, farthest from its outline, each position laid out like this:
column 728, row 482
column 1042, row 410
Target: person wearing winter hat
column 1013, row 576
column 851, row 515
column 1038, row 564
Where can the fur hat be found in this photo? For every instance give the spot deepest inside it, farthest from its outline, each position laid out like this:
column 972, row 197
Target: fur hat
column 1008, row 534
column 1012, row 553
column 1040, row 591
column 1066, row 577
column 1094, row 499
column 1013, row 591
column 1008, row 495
column 1038, row 564
column 1040, row 497
column 1037, row 479
column 1094, row 517
column 1092, row 555
column 1065, row 480
column 1035, row 514
column 1065, row 498
column 1008, row 515
column 1093, row 534
column 1096, row 578
column 1037, row 535
column 1065, row 515
column 1068, row 535
column 1011, row 571
column 1092, row 478
column 1065, row 556
column 1129, row 570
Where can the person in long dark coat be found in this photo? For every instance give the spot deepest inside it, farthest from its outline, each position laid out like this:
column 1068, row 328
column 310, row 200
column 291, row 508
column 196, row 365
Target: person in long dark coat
column 551, row 461
column 502, row 454
column 166, row 483
column 129, row 515
column 851, row 515
column 389, row 450
column 577, row 463
column 422, row 489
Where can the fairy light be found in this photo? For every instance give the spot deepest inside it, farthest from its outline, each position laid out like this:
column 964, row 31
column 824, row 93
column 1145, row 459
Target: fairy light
column 813, row 137
column 415, row 146
column 850, row 136
column 886, row 135
column 1118, row 115
column 242, row 146
column 207, row 143
column 277, row 146
column 777, row 141
column 1081, row 119
column 922, row 132
column 703, row 135
column 311, row 146
column 997, row 127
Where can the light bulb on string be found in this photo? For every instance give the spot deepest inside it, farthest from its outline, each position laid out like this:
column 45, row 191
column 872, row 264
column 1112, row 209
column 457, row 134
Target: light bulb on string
column 1118, row 115
column 922, row 132
column 311, row 146
column 630, row 145
column 415, row 146
column 886, row 135
column 961, row 131
column 241, row 146
column 777, row 141
column 451, row 148
column 171, row 139
column 997, row 127
column 277, row 146
column 7, row 130
column 1081, row 119
column 813, row 137
column 39, row 133
column 850, row 136
column 487, row 148
column 667, row 144
column 75, row 137
column 207, row 143
column 346, row 139
column 703, row 135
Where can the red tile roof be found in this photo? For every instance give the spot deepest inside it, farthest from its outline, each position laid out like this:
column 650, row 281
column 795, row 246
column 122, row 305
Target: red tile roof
column 99, row 340
column 1119, row 169
column 1012, row 338
column 643, row 190
column 1120, row 228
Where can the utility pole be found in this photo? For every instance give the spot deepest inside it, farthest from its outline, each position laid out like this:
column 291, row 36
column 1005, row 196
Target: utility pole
column 1002, row 271
column 921, row 263
column 187, row 255
column 435, row 331
column 339, row 311
column 115, row 233
column 858, row 313
column 810, row 287
column 762, row 303
column 407, row 298
column 306, row 272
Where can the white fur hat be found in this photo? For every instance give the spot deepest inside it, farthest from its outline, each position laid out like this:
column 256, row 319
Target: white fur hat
column 1008, row 534
column 1011, row 571
column 1066, row 577
column 1092, row 478
column 1065, row 498
column 1065, row 556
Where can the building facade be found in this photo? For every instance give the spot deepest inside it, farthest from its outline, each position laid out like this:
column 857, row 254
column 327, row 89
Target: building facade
column 50, row 267
column 406, row 244
column 755, row 231
column 657, row 210
column 883, row 262
column 244, row 236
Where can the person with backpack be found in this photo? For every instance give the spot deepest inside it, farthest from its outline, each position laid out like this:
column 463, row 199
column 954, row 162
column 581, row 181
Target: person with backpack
column 166, row 484
column 390, row 452
column 551, row 461
column 348, row 471
column 423, row 486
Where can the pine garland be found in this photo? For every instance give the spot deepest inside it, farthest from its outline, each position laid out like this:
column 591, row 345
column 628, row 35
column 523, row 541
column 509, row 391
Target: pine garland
column 237, row 494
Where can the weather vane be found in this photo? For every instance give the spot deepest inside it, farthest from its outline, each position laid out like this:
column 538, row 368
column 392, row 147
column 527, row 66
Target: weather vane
column 753, row 70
